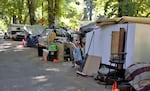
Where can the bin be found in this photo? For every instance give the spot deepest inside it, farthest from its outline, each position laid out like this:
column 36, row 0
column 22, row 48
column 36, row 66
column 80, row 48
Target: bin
column 40, row 50
column 52, row 55
column 53, row 47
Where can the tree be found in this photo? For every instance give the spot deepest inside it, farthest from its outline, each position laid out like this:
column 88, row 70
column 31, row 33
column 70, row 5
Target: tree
column 11, row 11
column 71, row 13
column 8, row 12
column 54, row 11
column 118, row 8
column 19, row 10
column 31, row 6
column 89, row 8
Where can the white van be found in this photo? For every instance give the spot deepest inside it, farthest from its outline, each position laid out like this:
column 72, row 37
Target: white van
column 14, row 30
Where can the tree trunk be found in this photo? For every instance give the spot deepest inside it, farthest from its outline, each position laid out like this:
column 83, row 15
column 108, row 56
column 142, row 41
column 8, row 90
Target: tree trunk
column 51, row 16
column 56, row 12
column 14, row 19
column 120, row 8
column 89, row 6
column 91, row 9
column 31, row 7
column 148, row 14
column 21, row 3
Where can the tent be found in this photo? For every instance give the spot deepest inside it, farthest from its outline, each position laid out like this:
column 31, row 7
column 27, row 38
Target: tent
column 35, row 29
column 134, row 41
column 32, row 34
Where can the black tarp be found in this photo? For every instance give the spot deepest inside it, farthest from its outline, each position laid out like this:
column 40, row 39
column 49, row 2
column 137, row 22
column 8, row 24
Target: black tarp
column 87, row 28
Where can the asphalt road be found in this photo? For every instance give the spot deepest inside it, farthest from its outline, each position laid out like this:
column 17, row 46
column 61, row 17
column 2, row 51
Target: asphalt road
column 22, row 70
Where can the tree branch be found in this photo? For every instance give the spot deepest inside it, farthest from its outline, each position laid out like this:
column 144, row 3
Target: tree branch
column 148, row 14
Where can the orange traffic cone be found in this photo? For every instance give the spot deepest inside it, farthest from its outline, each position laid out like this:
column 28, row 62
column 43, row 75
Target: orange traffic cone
column 23, row 42
column 55, row 60
column 115, row 86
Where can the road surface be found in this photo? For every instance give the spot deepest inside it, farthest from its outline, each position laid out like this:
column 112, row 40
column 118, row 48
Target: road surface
column 22, row 70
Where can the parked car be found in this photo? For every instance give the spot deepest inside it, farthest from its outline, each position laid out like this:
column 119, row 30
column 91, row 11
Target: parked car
column 18, row 35
column 1, row 35
column 61, row 36
column 15, row 31
column 15, row 35
column 6, row 35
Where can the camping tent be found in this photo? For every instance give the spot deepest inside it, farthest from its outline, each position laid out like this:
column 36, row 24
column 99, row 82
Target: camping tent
column 35, row 29
column 134, row 42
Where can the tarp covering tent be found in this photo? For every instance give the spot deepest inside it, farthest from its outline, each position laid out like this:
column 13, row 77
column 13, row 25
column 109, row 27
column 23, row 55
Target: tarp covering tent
column 35, row 29
column 32, row 34
column 136, row 43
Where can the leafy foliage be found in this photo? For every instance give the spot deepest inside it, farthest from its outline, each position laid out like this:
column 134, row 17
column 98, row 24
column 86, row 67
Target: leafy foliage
column 69, row 13
column 72, row 13
column 115, row 8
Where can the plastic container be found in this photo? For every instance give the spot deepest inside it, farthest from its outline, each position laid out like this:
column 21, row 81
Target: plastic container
column 52, row 55
column 53, row 47
column 40, row 50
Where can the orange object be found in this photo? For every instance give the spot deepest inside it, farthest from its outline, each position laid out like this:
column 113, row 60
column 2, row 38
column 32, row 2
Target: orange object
column 117, row 89
column 42, row 20
column 55, row 60
column 115, row 86
column 23, row 43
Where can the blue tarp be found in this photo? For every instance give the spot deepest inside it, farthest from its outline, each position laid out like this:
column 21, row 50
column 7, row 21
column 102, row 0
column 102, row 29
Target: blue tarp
column 33, row 32
column 32, row 41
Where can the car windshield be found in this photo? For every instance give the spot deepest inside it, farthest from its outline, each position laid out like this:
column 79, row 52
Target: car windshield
column 14, row 32
column 20, row 32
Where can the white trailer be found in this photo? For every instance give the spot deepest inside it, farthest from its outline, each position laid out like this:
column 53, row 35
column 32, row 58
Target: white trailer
column 136, row 42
